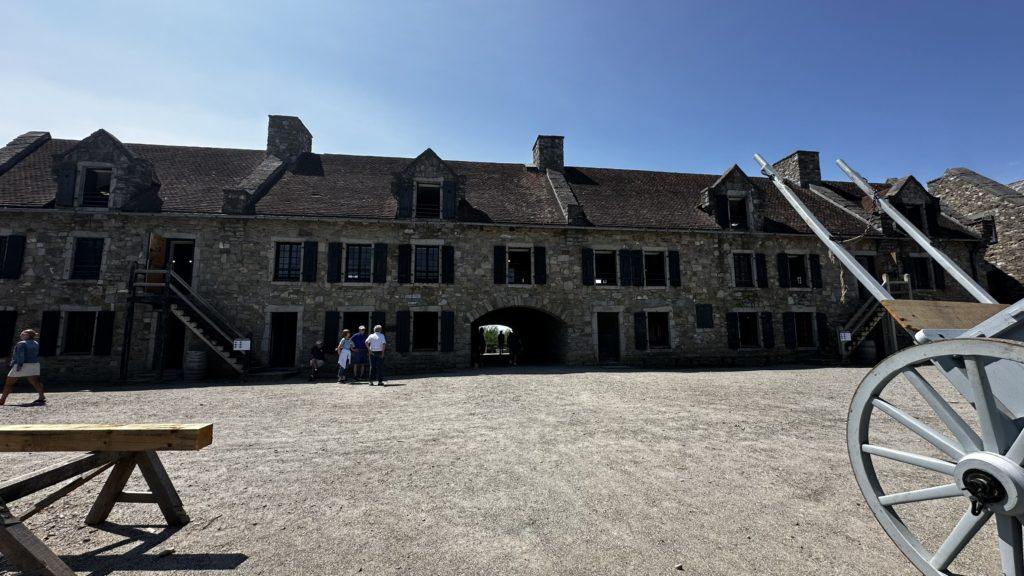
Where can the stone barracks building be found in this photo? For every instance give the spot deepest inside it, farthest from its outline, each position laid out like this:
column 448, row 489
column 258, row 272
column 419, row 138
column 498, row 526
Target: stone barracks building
column 127, row 257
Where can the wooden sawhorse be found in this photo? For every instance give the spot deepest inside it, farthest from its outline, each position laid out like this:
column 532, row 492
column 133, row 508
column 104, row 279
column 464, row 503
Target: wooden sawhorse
column 122, row 448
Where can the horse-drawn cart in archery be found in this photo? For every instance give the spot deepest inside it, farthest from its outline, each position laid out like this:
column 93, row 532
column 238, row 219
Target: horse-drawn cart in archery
column 967, row 367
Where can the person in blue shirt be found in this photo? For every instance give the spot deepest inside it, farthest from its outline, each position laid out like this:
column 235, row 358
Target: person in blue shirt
column 25, row 364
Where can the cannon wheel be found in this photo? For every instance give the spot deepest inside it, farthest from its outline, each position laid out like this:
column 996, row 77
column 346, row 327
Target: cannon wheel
column 981, row 463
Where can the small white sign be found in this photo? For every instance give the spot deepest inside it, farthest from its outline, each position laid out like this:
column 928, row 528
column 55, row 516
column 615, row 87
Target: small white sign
column 243, row 345
column 845, row 336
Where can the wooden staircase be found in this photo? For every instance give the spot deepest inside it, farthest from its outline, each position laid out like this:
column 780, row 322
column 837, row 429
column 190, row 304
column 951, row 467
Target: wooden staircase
column 867, row 317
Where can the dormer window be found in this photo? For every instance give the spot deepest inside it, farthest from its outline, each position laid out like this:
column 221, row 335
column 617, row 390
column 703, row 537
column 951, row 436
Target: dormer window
column 428, row 201
column 915, row 213
column 738, row 213
column 95, row 184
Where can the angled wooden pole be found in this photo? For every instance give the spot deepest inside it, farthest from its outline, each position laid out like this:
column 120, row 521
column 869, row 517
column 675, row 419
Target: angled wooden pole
column 111, row 490
column 162, row 488
column 19, row 545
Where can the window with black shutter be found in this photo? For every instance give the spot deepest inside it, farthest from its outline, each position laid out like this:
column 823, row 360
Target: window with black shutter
column 804, row 326
column 743, row 270
column 427, row 264
column 640, row 330
column 403, row 321
column 380, row 263
column 8, row 336
column 520, row 266
column 332, row 329
column 309, row 253
column 921, row 272
column 12, row 252
column 626, row 267
column 540, row 265
column 794, row 271
column 732, row 330
column 761, row 264
column 674, row 278
column 587, row 266
column 814, row 262
column 96, row 187
column 658, row 335
column 654, row 269
column 404, row 263
column 767, row 330
column 358, row 263
column 748, row 330
column 287, row 261
column 606, row 270
column 79, row 329
column 87, row 259
column 335, row 260
column 424, row 331
column 447, row 264
column 49, row 328
column 447, row 331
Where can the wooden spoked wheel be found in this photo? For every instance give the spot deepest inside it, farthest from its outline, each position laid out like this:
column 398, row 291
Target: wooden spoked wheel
column 940, row 466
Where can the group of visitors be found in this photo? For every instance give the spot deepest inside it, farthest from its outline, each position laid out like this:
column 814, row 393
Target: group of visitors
column 25, row 364
column 361, row 352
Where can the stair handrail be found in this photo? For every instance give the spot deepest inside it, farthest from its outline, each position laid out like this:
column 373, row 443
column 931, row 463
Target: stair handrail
column 221, row 323
column 865, row 312
column 200, row 312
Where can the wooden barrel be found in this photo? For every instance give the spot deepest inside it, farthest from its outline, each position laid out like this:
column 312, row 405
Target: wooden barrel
column 195, row 365
column 866, row 353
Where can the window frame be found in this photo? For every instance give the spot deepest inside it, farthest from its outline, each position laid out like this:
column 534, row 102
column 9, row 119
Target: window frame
column 530, row 264
column 738, row 196
column 749, row 254
column 929, row 265
column 413, row 330
column 758, row 336
column 414, row 277
column 615, row 279
column 664, row 266
column 275, row 275
column 437, row 183
column 65, row 316
column 802, row 257
column 81, row 171
column 345, row 260
column 71, row 273
column 813, row 321
column 668, row 328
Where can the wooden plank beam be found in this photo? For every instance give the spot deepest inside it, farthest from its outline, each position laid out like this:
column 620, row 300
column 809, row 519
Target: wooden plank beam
column 53, row 475
column 917, row 315
column 24, row 550
column 102, row 437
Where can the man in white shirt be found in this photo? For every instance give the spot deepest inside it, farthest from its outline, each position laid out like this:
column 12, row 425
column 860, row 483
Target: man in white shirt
column 376, row 343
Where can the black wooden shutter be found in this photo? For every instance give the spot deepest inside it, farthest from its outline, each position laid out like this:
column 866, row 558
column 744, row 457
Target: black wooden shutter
column 931, row 215
column 8, row 324
column 404, row 263
column 104, row 341
column 640, row 330
column 48, row 331
column 824, row 334
column 762, row 270
column 767, row 330
column 402, row 331
column 309, row 261
column 705, row 316
column 588, row 266
column 722, row 210
column 448, row 200
column 12, row 257
column 540, row 265
column 447, row 264
column 332, row 324
column 377, row 319
column 673, row 269
column 783, row 262
column 637, row 256
column 815, row 261
column 334, row 252
column 625, row 268
column 66, row 187
column 380, row 263
column 732, row 330
column 940, row 275
column 447, row 331
column 789, row 329
column 405, row 200
column 500, row 265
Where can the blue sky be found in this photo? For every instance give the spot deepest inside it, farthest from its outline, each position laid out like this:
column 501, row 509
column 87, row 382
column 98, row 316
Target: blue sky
column 894, row 88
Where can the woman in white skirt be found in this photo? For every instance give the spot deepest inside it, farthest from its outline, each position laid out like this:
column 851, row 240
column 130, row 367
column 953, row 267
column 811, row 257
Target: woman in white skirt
column 344, row 351
column 25, row 364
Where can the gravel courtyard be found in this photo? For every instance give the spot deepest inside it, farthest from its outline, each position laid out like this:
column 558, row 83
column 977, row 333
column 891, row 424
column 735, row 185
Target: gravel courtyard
column 524, row 472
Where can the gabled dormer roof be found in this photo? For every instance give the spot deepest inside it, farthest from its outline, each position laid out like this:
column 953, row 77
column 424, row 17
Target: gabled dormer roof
column 429, row 165
column 907, row 190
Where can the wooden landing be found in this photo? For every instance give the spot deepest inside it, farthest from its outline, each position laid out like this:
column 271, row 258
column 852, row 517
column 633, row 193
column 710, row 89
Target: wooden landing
column 917, row 315
column 104, row 437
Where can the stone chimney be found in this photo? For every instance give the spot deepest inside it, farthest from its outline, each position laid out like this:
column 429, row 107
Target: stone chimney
column 287, row 137
column 548, row 153
column 801, row 168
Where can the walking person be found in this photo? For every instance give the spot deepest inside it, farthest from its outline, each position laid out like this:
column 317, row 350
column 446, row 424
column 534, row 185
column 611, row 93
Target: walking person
column 344, row 351
column 376, row 343
column 359, row 357
column 317, row 359
column 25, row 364
column 501, row 342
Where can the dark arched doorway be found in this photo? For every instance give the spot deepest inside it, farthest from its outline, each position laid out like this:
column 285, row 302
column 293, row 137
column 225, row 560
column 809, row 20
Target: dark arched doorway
column 542, row 337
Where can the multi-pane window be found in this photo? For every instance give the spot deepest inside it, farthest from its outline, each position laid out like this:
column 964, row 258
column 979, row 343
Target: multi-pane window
column 358, row 261
column 426, row 264
column 657, row 330
column 519, row 266
column 743, row 270
column 428, row 200
column 738, row 214
column 805, row 335
column 798, row 277
column 288, row 261
column 79, row 329
column 96, row 187
column 424, row 331
column 921, row 273
column 87, row 259
column 749, row 330
column 605, row 268
column 654, row 269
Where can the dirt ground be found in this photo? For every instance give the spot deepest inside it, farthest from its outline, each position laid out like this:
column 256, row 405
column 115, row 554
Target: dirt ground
column 521, row 472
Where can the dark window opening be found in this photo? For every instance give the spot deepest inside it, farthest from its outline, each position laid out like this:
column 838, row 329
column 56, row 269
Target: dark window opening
column 606, row 272
column 657, row 330
column 743, row 268
column 79, row 328
column 519, row 267
column 427, row 264
column 749, row 327
column 738, row 213
column 358, row 262
column 424, row 331
column 87, row 259
column 798, row 277
column 96, row 187
column 921, row 273
column 288, row 261
column 805, row 337
column 3, row 251
column 914, row 213
column 705, row 316
column 428, row 201
column 654, row 269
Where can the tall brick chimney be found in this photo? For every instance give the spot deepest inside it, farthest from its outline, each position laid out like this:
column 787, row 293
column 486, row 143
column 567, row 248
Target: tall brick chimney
column 801, row 167
column 287, row 137
column 548, row 153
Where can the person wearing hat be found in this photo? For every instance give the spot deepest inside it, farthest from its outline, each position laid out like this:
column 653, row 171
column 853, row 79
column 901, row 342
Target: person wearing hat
column 359, row 357
column 377, row 344
column 25, row 364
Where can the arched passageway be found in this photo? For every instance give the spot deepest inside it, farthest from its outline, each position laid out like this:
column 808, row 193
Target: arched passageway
column 541, row 337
